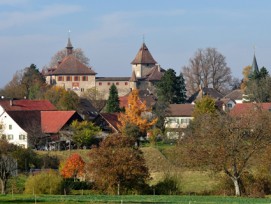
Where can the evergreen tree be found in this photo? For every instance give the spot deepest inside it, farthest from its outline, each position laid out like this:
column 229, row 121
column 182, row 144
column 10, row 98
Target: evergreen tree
column 113, row 103
column 171, row 88
column 180, row 88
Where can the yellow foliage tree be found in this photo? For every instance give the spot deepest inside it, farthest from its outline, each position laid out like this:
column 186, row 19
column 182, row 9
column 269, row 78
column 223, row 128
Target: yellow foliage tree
column 246, row 72
column 136, row 114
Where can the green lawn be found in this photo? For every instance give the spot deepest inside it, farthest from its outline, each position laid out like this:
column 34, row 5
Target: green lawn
column 61, row 199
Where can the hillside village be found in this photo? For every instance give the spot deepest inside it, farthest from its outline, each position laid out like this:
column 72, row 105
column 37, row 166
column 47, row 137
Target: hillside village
column 140, row 105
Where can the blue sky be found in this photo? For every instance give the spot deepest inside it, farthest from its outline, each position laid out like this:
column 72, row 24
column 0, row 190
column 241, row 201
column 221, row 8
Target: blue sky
column 111, row 32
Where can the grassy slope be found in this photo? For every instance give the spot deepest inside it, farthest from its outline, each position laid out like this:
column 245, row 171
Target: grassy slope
column 190, row 181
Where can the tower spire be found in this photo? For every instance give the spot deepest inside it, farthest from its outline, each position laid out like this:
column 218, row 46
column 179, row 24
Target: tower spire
column 69, row 44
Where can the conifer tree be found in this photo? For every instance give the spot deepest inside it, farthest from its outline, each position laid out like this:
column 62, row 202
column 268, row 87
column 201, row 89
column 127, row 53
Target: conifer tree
column 113, row 103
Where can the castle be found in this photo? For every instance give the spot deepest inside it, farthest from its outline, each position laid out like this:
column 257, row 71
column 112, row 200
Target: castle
column 71, row 74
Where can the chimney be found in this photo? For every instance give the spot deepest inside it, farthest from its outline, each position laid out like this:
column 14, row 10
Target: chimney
column 11, row 102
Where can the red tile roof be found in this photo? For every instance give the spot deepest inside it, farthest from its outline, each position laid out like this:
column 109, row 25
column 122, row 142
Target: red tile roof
column 24, row 105
column 72, row 66
column 112, row 120
column 54, row 121
column 143, row 56
column 242, row 108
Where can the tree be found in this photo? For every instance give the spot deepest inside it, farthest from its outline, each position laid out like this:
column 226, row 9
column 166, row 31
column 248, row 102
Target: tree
column 246, row 71
column 258, row 86
column 8, row 164
column 62, row 99
column 136, row 113
column 33, row 81
column 95, row 97
column 171, row 88
column 59, row 56
column 206, row 105
column 227, row 143
column 83, row 132
column 117, row 166
column 208, row 68
column 74, row 167
column 29, row 83
column 113, row 103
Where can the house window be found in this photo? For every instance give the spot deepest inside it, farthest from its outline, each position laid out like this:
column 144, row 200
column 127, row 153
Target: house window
column 60, row 78
column 126, row 83
column 10, row 137
column 22, row 137
column 100, row 83
column 10, row 127
column 84, row 78
column 76, row 78
column 1, row 126
column 82, row 89
column 229, row 105
column 68, row 78
column 185, row 121
column 3, row 136
column 117, row 83
column 108, row 83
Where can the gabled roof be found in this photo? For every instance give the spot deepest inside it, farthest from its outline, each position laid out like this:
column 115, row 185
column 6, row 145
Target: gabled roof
column 112, row 120
column 25, row 104
column 143, row 56
column 54, row 121
column 184, row 110
column 203, row 92
column 235, row 94
column 243, row 108
column 27, row 120
column 155, row 73
column 72, row 66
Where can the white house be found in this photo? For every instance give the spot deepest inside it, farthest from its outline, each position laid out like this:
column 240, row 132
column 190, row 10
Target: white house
column 178, row 118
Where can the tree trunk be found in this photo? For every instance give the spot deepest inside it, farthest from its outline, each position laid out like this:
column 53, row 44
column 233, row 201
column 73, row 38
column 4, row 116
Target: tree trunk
column 3, row 186
column 236, row 186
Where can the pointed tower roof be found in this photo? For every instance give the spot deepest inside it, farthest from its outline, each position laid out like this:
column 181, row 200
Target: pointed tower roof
column 133, row 77
column 143, row 56
column 255, row 67
column 69, row 47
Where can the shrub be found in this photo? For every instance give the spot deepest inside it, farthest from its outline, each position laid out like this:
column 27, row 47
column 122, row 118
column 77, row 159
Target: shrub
column 16, row 184
column 170, row 185
column 45, row 182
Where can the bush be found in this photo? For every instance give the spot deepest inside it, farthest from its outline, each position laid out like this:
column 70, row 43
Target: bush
column 45, row 182
column 69, row 185
column 16, row 184
column 169, row 186
column 48, row 162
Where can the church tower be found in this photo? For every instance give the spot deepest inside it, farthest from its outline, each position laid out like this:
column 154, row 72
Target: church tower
column 142, row 62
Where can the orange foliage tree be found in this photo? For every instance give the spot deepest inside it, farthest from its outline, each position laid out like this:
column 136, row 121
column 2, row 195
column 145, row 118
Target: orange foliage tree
column 73, row 167
column 136, row 114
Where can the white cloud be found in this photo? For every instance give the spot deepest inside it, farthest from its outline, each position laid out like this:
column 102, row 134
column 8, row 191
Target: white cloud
column 19, row 18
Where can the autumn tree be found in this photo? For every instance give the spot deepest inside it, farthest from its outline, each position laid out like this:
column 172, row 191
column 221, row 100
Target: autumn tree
column 59, row 56
column 113, row 102
column 207, row 68
column 136, row 114
column 73, row 167
column 117, row 166
column 206, row 105
column 227, row 143
column 95, row 97
column 84, row 132
column 62, row 99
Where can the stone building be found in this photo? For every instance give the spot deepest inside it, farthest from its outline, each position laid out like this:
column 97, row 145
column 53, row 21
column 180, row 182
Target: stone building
column 71, row 74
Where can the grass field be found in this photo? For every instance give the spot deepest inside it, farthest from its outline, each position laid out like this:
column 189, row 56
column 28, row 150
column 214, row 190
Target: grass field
column 49, row 199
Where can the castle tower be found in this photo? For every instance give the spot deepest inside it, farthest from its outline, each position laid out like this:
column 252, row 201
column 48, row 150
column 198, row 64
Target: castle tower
column 143, row 62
